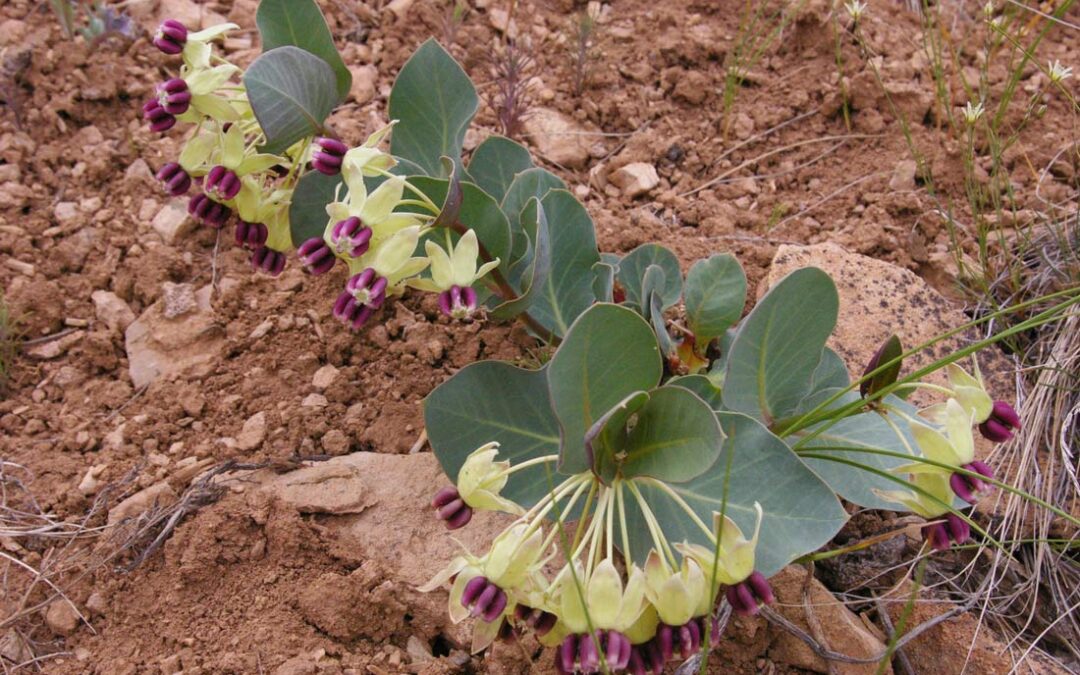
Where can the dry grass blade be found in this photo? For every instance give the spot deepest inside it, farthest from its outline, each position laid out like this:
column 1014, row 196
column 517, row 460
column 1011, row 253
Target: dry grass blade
column 1037, row 582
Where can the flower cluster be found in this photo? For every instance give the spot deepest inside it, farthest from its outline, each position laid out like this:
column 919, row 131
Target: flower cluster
column 221, row 156
column 943, row 433
column 377, row 240
column 634, row 620
column 375, row 231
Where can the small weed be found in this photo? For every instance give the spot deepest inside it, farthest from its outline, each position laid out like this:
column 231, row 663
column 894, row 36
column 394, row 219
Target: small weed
column 101, row 21
column 453, row 16
column 512, row 67
column 10, row 339
column 584, row 30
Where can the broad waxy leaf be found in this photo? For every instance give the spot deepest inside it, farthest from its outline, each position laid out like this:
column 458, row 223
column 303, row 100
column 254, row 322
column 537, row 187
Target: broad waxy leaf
column 568, row 290
column 291, row 93
column 608, row 354
column 865, row 430
column 495, row 401
column 307, row 212
column 526, row 185
column 608, row 436
column 538, row 271
column 715, row 296
column 652, row 287
column 632, row 269
column 779, row 345
column 702, row 386
column 496, row 162
column 603, row 281
column 676, row 437
column 300, row 23
column 433, row 101
column 801, row 512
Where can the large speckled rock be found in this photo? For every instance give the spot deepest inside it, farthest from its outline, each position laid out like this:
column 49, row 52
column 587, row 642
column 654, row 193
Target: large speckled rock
column 878, row 299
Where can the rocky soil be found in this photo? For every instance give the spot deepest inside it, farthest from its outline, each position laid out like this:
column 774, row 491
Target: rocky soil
column 153, row 356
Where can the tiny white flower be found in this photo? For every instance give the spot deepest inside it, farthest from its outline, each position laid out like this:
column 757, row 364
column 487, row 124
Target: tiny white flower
column 972, row 113
column 988, row 10
column 1058, row 72
column 855, row 9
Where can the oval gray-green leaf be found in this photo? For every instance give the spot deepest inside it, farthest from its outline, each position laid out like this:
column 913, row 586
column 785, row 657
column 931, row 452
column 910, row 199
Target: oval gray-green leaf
column 632, row 270
column 535, row 278
column 608, row 354
column 307, row 212
column 844, row 440
column 676, row 437
column 496, row 162
column 434, row 101
column 495, row 401
column 291, row 93
column 715, row 296
column 607, row 437
column 801, row 513
column 568, row 290
column 772, row 360
column 301, row 24
column 526, row 185
column 702, row 386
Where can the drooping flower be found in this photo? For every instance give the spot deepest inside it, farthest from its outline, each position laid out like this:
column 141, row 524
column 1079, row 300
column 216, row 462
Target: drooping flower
column 954, row 448
column 207, row 211
column 969, row 391
column 932, row 500
column 1001, row 423
column 268, row 260
column 481, row 479
column 329, row 156
column 454, row 273
column 176, row 181
column 367, row 159
column 171, row 37
column 316, row 256
column 251, row 235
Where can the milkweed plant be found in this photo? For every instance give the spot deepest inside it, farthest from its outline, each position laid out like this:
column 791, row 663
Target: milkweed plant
column 649, row 476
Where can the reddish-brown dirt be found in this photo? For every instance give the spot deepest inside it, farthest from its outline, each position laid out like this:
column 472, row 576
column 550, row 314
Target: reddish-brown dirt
column 229, row 590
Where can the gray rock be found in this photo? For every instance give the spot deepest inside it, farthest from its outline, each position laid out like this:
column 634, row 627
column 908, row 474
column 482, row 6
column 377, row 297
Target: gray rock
column 159, row 346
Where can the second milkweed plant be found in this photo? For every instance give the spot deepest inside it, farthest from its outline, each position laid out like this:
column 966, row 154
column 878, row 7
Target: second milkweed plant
column 648, row 476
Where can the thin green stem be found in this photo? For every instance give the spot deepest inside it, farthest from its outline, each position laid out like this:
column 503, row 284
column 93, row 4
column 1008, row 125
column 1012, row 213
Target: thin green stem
column 677, row 498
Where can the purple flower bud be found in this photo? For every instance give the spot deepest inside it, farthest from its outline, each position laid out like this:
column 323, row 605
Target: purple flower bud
column 207, row 211
column 251, row 235
column 488, row 604
column 566, row 655
column 747, row 597
column 171, row 37
column 451, row 508
column 458, row 302
column 665, row 640
column 617, row 650
column 588, row 655
column 328, row 158
column 473, row 589
column 761, row 589
column 177, row 181
column 160, row 119
column 351, row 313
column 1002, row 422
column 221, row 183
column 316, row 256
column 942, row 535
column 540, row 621
column 268, row 260
column 351, row 237
column 636, row 663
column 174, row 96
column 689, row 638
column 970, row 488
